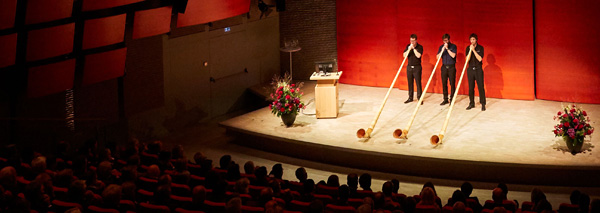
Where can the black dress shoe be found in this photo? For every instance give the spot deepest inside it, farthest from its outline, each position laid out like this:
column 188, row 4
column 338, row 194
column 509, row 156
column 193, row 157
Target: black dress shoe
column 444, row 103
column 408, row 101
column 482, row 107
column 470, row 107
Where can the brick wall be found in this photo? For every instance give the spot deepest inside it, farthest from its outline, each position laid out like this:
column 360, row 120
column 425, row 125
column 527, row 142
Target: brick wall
column 313, row 23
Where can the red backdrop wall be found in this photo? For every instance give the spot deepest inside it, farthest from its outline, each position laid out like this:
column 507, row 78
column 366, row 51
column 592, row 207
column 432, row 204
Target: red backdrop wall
column 371, row 38
column 567, row 43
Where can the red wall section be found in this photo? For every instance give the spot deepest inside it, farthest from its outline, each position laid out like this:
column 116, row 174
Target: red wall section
column 104, row 66
column 8, row 50
column 103, row 4
column 8, row 9
column 367, row 42
column 204, row 11
column 370, row 44
column 103, row 31
column 567, row 43
column 49, row 42
column 152, row 22
column 52, row 78
column 39, row 11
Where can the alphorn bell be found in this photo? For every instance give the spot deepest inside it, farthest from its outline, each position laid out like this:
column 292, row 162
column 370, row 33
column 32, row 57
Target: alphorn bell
column 361, row 133
column 437, row 139
column 402, row 133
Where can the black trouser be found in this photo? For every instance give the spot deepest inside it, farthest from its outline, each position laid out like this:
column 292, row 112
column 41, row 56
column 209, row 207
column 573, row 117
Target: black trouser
column 475, row 74
column 414, row 72
column 448, row 72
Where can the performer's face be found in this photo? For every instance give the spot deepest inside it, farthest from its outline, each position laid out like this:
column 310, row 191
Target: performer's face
column 413, row 41
column 473, row 41
column 446, row 40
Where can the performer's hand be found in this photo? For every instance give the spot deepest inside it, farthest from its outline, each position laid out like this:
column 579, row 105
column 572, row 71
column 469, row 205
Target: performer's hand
column 446, row 46
column 472, row 47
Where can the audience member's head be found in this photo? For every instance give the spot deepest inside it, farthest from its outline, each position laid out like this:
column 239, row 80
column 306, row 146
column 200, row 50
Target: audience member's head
column 584, row 202
column 333, row 181
column 241, row 185
column 537, row 195
column 365, row 181
column 396, row 183
column 199, row 157
column 352, row 181
column 301, row 174
column 198, row 195
column 234, row 205
column 129, row 190
column 364, row 208
column 369, row 201
column 409, row 204
column 504, row 188
column 104, row 170
column 309, row 186
column 466, row 189
column 154, row 147
column 153, row 171
column 76, row 192
column 575, row 197
column 427, row 196
column 497, row 195
column 543, row 206
column 266, row 194
column 459, row 207
column 38, row 165
column 162, row 196
column 8, row 177
column 458, row 196
column 177, row 152
column 387, row 188
column 112, row 195
column 499, row 209
column 277, row 171
column 165, row 180
column 343, row 193
column 233, row 172
column 64, row 178
column 249, row 168
column 430, row 185
column 224, row 162
column 378, row 200
column 180, row 164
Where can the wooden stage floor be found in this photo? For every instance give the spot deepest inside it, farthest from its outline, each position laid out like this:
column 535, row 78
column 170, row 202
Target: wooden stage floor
column 511, row 142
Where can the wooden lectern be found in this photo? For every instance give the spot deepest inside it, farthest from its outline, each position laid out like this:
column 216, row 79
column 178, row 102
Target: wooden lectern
column 326, row 94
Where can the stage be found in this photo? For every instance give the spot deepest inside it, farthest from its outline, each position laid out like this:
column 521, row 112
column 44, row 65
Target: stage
column 511, row 142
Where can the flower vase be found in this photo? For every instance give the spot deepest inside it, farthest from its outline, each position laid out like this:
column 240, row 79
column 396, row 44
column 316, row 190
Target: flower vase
column 288, row 119
column 574, row 148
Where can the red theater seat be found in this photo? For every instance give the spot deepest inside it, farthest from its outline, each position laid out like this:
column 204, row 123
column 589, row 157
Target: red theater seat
column 339, row 209
column 147, row 183
column 180, row 189
column 214, row 206
column 296, row 205
column 144, row 196
column 568, row 208
column 296, row 186
column 355, row 202
column 426, row 209
column 364, row 193
column 252, row 209
column 180, row 210
column 255, row 190
column 327, row 190
column 146, row 207
column 96, row 209
column 527, row 206
column 127, row 205
column 183, row 202
column 325, row 198
column 62, row 206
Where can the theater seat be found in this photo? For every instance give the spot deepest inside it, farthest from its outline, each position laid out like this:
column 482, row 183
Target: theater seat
column 96, row 209
column 147, row 184
column 183, row 202
column 426, row 209
column 527, row 206
column 127, row 205
column 214, row 206
column 568, row 208
column 180, row 189
column 151, row 208
column 355, row 202
column 62, row 206
column 144, row 196
column 252, row 209
column 296, row 205
column 339, row 209
column 325, row 198
column 296, row 186
column 363, row 193
column 196, row 180
column 180, row 210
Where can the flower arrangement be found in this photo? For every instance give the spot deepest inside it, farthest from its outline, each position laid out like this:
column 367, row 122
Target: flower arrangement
column 286, row 96
column 573, row 126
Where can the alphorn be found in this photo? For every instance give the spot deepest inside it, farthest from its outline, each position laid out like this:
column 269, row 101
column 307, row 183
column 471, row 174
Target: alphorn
column 403, row 133
column 437, row 139
column 361, row 133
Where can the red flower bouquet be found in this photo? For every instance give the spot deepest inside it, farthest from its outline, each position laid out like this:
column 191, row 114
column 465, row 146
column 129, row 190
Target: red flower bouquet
column 286, row 96
column 573, row 125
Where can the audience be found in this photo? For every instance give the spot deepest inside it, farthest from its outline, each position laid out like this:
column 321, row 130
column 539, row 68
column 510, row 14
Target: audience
column 93, row 176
